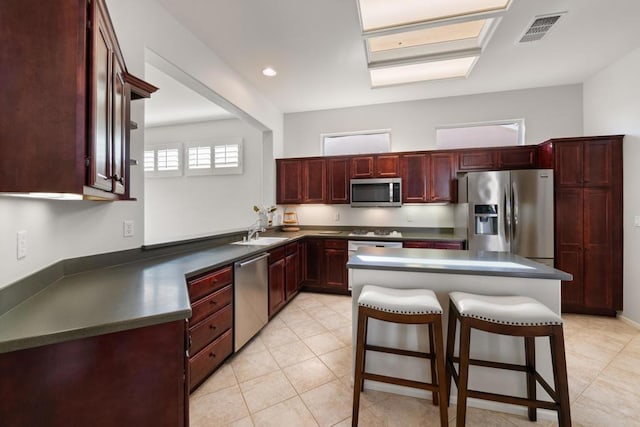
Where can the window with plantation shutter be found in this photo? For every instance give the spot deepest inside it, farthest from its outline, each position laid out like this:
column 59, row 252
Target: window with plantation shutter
column 163, row 160
column 226, row 156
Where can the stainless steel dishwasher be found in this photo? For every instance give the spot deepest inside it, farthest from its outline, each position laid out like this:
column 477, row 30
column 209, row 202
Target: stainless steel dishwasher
column 251, row 295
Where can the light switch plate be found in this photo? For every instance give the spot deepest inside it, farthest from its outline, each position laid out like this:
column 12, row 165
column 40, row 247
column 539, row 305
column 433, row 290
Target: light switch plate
column 636, row 221
column 21, row 244
column 128, row 230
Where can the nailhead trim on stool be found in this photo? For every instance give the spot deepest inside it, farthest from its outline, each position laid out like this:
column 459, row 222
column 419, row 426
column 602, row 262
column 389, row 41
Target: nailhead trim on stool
column 514, row 316
column 405, row 306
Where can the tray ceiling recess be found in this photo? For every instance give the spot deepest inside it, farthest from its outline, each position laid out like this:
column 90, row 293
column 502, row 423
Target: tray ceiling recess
column 414, row 40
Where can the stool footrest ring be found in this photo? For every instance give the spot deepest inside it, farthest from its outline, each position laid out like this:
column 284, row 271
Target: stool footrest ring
column 399, row 351
column 522, row 401
column 400, row 381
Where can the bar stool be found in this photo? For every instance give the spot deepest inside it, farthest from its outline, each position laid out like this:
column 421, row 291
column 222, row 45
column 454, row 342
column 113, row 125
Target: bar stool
column 515, row 316
column 407, row 306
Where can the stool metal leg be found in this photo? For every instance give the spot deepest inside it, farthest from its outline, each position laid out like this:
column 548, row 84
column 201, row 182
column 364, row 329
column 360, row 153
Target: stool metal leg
column 358, row 382
column 530, row 357
column 465, row 344
column 560, row 376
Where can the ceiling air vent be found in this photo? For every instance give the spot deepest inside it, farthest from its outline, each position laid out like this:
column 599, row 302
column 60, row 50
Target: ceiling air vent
column 539, row 27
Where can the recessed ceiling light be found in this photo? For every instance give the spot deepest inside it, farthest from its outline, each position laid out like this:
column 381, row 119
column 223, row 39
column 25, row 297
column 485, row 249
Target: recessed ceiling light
column 415, row 72
column 269, row 72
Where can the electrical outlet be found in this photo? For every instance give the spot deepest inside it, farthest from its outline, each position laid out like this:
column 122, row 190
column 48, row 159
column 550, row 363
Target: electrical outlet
column 409, row 217
column 336, row 218
column 21, row 244
column 128, row 230
column 636, row 221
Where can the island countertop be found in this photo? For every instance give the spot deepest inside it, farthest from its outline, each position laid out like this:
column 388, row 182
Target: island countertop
column 453, row 262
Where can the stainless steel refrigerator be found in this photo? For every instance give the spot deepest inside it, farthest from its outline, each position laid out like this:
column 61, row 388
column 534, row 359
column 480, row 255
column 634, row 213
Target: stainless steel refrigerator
column 510, row 211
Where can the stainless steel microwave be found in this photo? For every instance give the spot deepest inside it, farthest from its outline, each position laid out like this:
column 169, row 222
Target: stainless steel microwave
column 380, row 192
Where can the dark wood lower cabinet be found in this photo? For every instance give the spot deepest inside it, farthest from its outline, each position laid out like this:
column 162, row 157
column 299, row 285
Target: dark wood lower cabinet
column 326, row 266
column 133, row 378
column 434, row 244
column 284, row 276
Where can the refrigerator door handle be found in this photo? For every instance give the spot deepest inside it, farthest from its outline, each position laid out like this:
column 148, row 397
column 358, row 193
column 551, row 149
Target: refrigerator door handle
column 506, row 216
column 514, row 214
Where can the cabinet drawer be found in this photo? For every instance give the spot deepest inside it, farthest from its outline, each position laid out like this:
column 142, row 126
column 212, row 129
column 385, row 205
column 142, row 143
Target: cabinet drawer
column 291, row 248
column 335, row 244
column 448, row 245
column 212, row 356
column 276, row 254
column 420, row 244
column 210, row 328
column 209, row 283
column 210, row 304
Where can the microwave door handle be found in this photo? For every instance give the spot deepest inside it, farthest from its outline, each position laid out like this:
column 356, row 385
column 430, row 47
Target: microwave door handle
column 391, row 192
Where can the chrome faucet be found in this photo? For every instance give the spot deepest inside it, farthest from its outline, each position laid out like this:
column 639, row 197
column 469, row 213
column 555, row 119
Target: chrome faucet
column 254, row 230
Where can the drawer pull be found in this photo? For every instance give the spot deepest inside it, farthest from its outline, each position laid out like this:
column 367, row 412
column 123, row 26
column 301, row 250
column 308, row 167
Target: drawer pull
column 212, row 327
column 212, row 354
column 214, row 302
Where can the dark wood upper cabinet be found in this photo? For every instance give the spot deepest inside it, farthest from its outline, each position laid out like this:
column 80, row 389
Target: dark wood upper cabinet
column 596, row 171
column 72, row 111
column 362, row 167
column 289, row 181
column 338, row 176
column 523, row 157
column 387, row 166
column 415, row 173
column 314, row 181
column 477, row 159
column 442, row 178
column 568, row 162
column 375, row 166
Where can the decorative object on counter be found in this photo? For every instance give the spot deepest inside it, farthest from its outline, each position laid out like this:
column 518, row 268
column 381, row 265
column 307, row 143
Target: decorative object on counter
column 265, row 215
column 290, row 220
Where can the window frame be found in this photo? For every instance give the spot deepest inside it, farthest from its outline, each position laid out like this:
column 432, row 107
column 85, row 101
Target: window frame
column 156, row 173
column 323, row 136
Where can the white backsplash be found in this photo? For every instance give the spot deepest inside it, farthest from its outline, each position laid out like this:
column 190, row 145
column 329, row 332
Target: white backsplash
column 442, row 216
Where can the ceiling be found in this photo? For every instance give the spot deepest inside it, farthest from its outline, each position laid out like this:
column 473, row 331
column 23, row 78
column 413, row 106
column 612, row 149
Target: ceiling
column 176, row 103
column 317, row 48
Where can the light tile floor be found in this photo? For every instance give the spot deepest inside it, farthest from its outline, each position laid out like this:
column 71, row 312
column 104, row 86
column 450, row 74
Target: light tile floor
column 296, row 372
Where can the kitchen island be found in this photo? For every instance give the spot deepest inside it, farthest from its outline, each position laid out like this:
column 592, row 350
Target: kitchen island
column 444, row 271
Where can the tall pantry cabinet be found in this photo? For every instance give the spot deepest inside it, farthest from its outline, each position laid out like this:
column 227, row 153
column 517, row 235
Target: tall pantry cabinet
column 588, row 221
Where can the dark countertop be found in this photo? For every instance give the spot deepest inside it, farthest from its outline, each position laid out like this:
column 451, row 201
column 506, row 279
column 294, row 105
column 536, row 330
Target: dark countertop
column 453, row 262
column 136, row 294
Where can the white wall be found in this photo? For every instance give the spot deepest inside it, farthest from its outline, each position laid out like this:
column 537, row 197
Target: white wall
column 612, row 106
column 58, row 230
column 548, row 112
column 193, row 206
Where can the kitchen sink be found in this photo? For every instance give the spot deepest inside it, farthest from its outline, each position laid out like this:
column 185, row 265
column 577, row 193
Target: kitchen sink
column 261, row 241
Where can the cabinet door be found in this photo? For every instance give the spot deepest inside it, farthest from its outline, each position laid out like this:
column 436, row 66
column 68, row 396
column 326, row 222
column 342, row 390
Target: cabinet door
column 276, row 286
column 597, row 163
column 598, row 285
column 314, row 262
column 517, row 158
column 99, row 175
column 314, row 181
column 568, row 164
column 442, row 177
column 387, row 166
column 569, row 243
column 119, row 137
column 362, row 167
column 289, row 181
column 335, row 268
column 338, row 183
column 414, row 178
column 291, row 275
column 477, row 160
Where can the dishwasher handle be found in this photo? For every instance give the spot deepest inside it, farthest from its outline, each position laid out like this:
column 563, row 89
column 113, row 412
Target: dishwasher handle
column 252, row 260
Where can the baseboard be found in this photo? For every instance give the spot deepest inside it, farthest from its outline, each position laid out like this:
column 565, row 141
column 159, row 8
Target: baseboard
column 629, row 321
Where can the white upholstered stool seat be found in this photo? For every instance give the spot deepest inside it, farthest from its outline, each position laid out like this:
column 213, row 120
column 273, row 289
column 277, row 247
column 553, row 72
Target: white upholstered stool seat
column 400, row 301
column 507, row 310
